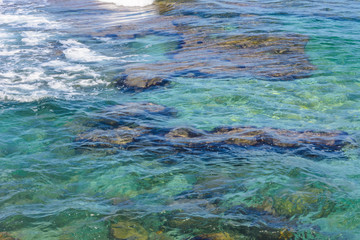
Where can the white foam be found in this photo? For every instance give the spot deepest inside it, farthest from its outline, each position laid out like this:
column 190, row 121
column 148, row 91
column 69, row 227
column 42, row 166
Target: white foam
column 32, row 38
column 130, row 3
column 6, row 52
column 78, row 52
column 32, row 67
column 30, row 21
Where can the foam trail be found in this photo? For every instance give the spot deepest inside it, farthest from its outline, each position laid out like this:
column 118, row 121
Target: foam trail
column 129, row 3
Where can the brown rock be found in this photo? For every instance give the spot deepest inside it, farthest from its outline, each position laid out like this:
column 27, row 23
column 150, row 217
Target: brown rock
column 213, row 236
column 281, row 138
column 109, row 138
column 126, row 230
column 184, row 133
column 6, row 236
column 273, row 57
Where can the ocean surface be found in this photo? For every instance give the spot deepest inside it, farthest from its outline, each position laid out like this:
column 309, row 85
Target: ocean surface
column 289, row 65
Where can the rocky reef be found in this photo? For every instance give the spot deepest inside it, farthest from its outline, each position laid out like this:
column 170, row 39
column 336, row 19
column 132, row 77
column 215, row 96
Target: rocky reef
column 126, row 125
column 268, row 57
column 199, row 51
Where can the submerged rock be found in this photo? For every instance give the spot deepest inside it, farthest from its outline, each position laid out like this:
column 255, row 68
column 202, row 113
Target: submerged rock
column 6, row 236
column 140, row 108
column 203, row 51
column 128, row 131
column 333, row 140
column 139, row 81
column 273, row 57
column 117, row 137
column 315, row 201
column 184, row 133
column 270, row 57
column 213, row 236
column 126, row 230
column 247, row 225
column 251, row 136
column 132, row 112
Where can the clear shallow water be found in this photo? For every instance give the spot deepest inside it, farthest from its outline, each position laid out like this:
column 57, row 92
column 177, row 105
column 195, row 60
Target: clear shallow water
column 58, row 63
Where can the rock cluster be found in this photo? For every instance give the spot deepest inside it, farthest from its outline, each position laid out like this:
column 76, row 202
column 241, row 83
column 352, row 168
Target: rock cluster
column 205, row 51
column 124, row 125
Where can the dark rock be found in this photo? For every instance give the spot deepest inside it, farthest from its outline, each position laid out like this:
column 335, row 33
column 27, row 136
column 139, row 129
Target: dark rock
column 282, row 138
column 184, row 139
column 251, row 136
column 139, row 81
column 184, row 132
column 119, row 137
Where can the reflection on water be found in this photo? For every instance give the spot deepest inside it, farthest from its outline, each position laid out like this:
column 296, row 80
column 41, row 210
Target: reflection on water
column 179, row 120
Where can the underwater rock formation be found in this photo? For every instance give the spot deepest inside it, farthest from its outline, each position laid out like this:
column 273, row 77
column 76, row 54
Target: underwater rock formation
column 311, row 200
column 120, row 125
column 131, row 114
column 213, row 236
column 128, row 230
column 125, row 124
column 251, row 136
column 210, row 51
column 139, row 81
column 117, row 137
column 269, row 57
column 6, row 236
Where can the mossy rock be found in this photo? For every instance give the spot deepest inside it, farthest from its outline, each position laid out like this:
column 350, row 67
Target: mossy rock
column 213, row 236
column 316, row 202
column 283, row 138
column 184, row 132
column 6, row 236
column 113, row 137
column 126, row 230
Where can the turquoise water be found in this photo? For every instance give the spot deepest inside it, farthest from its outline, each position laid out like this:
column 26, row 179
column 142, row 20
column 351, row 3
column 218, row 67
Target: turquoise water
column 58, row 62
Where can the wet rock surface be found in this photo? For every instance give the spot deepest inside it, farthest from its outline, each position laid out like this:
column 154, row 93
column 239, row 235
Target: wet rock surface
column 128, row 230
column 139, row 80
column 269, row 57
column 204, row 51
column 125, row 124
column 121, row 125
column 118, row 137
column 290, row 204
column 6, row 236
column 251, row 136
